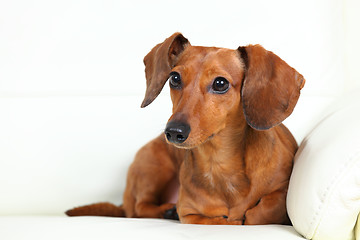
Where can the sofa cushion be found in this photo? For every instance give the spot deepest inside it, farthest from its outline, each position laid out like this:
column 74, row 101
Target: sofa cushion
column 44, row 228
column 324, row 192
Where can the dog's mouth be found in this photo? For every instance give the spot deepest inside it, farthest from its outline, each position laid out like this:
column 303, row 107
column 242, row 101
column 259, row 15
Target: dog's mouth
column 180, row 135
column 190, row 143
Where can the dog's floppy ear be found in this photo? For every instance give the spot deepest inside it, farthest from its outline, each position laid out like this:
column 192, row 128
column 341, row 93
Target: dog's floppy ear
column 270, row 89
column 159, row 62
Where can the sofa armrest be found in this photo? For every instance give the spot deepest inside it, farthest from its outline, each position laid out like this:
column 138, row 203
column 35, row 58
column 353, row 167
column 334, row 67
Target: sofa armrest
column 324, row 192
column 357, row 229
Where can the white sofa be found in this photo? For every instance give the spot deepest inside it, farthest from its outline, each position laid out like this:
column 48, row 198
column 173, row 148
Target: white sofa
column 61, row 152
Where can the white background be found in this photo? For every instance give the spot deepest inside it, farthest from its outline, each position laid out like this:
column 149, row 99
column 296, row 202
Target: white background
column 77, row 47
column 72, row 81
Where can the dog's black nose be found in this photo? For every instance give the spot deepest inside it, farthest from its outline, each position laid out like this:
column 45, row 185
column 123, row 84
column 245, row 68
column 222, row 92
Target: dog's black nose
column 177, row 132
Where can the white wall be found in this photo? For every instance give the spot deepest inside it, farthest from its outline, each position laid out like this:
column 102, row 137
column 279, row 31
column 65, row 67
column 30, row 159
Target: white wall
column 85, row 47
column 352, row 44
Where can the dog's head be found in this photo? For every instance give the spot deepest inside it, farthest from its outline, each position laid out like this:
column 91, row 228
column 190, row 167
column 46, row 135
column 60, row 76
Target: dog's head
column 213, row 87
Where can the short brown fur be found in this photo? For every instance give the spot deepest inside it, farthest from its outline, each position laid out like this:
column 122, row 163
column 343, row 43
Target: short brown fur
column 234, row 167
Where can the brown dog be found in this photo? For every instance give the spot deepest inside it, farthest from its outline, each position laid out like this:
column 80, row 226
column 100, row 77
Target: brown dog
column 224, row 141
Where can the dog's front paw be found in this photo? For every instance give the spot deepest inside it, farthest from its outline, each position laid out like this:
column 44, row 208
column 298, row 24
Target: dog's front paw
column 171, row 214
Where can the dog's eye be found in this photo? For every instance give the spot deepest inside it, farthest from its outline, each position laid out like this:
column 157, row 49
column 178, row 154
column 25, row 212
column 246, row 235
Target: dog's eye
column 175, row 80
column 220, row 85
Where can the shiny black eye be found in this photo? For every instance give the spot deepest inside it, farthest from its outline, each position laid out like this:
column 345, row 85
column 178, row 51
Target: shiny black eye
column 175, row 80
column 220, row 85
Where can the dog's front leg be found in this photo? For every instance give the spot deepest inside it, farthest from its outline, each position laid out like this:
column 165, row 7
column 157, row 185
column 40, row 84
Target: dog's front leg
column 271, row 209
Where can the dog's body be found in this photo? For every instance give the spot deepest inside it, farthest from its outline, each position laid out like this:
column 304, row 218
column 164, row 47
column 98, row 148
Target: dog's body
column 224, row 143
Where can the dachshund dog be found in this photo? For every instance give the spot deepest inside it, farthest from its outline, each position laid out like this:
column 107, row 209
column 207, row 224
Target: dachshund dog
column 224, row 149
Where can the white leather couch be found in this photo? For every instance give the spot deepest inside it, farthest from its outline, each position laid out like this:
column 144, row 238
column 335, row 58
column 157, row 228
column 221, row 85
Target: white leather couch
column 61, row 152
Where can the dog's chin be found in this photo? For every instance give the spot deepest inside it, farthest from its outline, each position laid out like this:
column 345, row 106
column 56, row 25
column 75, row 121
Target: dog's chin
column 190, row 144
